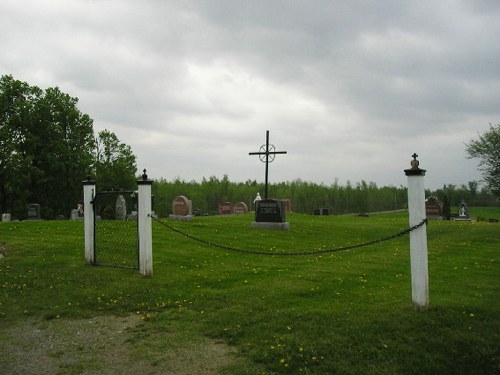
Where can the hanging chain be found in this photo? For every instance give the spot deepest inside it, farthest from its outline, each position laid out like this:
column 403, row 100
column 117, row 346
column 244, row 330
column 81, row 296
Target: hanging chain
column 300, row 253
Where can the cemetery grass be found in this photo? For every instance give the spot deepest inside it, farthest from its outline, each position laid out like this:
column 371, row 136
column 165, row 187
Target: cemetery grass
column 210, row 311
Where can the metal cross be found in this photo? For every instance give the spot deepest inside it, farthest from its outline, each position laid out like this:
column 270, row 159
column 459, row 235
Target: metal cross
column 266, row 154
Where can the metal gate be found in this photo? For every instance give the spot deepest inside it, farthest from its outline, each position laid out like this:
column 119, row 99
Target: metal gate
column 116, row 229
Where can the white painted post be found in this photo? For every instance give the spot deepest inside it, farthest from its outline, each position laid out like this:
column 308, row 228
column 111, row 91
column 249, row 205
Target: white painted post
column 88, row 218
column 418, row 237
column 145, row 231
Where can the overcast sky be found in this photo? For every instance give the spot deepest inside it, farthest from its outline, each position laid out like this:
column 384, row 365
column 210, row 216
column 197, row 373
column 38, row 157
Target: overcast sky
column 350, row 89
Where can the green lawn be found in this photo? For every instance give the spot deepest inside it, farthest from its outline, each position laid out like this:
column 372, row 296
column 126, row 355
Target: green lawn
column 346, row 312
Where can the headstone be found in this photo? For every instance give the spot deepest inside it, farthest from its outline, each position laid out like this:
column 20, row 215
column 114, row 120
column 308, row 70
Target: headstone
column 33, row 211
column 322, row 211
column 463, row 212
column 132, row 216
column 6, row 217
column 225, row 208
column 288, row 205
column 80, row 210
column 270, row 213
column 433, row 208
column 181, row 208
column 120, row 208
column 240, row 208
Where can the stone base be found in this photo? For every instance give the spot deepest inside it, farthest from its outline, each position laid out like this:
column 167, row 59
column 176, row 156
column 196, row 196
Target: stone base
column 271, row 225
column 180, row 217
column 461, row 219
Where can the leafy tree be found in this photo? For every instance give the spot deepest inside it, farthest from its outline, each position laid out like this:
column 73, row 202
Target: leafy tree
column 61, row 146
column 15, row 109
column 47, row 147
column 115, row 164
column 487, row 149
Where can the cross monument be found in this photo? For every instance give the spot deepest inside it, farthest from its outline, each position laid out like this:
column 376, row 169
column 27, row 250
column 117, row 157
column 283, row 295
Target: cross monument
column 267, row 154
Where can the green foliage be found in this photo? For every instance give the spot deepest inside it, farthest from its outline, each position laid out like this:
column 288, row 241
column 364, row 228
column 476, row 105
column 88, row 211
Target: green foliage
column 487, row 149
column 115, row 165
column 347, row 312
column 47, row 147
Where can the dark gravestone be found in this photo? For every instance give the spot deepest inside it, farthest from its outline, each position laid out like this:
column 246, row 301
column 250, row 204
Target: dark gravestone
column 322, row 211
column 33, row 211
column 270, row 211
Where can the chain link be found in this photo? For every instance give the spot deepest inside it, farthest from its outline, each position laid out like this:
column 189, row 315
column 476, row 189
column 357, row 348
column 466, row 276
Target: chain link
column 299, row 253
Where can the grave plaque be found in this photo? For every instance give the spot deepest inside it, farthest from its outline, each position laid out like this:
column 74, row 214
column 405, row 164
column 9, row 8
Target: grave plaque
column 225, row 208
column 270, row 211
column 33, row 211
column 240, row 208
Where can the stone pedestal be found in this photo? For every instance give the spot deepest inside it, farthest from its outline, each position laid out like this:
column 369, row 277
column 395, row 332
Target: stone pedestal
column 269, row 225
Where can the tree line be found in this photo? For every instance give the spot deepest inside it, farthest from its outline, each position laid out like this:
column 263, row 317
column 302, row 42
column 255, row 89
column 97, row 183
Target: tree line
column 47, row 147
column 306, row 197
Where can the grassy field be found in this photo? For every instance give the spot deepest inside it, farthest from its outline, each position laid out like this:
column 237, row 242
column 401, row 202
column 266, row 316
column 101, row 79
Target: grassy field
column 213, row 311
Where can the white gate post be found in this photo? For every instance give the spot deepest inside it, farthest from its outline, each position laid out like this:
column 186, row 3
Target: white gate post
column 418, row 237
column 145, row 231
column 89, row 218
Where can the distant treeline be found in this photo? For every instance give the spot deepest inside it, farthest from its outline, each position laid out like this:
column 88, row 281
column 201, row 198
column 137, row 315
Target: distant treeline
column 306, row 196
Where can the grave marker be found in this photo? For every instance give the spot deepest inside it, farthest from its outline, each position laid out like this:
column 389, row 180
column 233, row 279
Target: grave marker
column 270, row 211
column 433, row 208
column 240, row 208
column 181, row 208
column 267, row 153
column 33, row 211
column 225, row 208
column 120, row 208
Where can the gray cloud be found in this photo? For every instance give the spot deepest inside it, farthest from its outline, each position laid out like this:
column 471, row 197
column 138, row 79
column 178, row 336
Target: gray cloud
column 349, row 89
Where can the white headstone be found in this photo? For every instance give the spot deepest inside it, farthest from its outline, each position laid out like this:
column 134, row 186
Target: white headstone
column 120, row 208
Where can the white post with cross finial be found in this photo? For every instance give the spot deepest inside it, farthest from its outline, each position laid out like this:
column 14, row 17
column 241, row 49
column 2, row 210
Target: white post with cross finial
column 88, row 219
column 144, row 213
column 418, row 236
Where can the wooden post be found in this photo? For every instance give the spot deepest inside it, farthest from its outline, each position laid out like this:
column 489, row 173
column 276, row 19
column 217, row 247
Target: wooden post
column 145, row 231
column 418, row 237
column 89, row 219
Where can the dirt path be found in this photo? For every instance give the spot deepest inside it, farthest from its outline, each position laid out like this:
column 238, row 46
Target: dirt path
column 102, row 345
